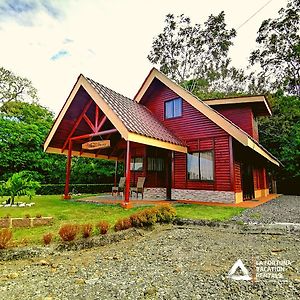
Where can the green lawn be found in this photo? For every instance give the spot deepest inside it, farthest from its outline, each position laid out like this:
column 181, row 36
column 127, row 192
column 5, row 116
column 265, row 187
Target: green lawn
column 76, row 212
column 204, row 212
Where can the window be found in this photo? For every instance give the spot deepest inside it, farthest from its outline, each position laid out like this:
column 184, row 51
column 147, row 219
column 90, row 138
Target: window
column 200, row 165
column 173, row 108
column 136, row 164
column 156, row 164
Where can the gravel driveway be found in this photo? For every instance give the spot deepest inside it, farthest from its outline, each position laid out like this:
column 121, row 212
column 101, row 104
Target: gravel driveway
column 285, row 209
column 170, row 262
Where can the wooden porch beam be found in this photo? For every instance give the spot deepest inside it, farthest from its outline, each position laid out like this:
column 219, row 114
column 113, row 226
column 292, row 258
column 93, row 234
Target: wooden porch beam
column 68, row 172
column 86, row 108
column 96, row 116
column 126, row 203
column 85, row 136
column 89, row 122
column 103, row 120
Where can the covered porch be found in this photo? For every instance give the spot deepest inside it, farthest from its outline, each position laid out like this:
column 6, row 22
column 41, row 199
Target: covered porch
column 99, row 123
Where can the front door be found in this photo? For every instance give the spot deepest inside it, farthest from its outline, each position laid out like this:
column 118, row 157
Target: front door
column 247, row 181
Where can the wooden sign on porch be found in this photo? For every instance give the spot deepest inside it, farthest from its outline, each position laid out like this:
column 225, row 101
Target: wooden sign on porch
column 93, row 145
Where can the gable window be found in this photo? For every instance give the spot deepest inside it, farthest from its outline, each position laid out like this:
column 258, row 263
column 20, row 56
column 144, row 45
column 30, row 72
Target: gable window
column 173, row 108
column 136, row 164
column 200, row 166
column 156, row 164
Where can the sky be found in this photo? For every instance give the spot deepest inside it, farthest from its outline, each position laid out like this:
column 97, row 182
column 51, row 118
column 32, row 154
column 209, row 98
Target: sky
column 51, row 42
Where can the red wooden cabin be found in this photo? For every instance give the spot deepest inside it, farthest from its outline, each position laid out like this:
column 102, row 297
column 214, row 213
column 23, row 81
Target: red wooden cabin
column 186, row 148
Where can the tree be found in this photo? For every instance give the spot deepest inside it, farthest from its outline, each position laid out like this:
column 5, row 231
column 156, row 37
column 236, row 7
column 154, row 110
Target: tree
column 197, row 56
column 19, row 184
column 278, row 52
column 14, row 87
column 281, row 135
column 23, row 129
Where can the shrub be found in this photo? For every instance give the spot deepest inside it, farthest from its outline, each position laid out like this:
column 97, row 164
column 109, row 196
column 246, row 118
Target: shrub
column 103, row 227
column 144, row 218
column 148, row 217
column 47, row 238
column 86, row 230
column 38, row 216
column 58, row 189
column 165, row 213
column 68, row 232
column 27, row 216
column 123, row 224
column 5, row 237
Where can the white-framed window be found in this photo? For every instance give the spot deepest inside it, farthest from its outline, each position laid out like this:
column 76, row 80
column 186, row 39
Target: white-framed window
column 200, row 166
column 173, row 108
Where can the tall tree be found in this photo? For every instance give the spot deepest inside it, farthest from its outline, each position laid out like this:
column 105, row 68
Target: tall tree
column 14, row 87
column 278, row 52
column 281, row 135
column 196, row 56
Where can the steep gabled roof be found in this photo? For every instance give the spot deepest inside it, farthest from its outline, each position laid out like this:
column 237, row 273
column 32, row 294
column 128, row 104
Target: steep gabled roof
column 136, row 117
column 231, row 128
column 132, row 120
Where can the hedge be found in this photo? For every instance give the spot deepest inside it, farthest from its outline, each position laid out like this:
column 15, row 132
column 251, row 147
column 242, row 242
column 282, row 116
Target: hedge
column 58, row 189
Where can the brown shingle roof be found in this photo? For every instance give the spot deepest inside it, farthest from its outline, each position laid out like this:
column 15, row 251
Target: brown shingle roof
column 135, row 117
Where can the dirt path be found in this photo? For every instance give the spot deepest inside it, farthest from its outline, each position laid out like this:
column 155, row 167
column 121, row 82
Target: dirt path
column 168, row 263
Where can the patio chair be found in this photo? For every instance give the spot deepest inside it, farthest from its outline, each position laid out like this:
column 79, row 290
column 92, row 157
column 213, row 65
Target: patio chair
column 119, row 188
column 139, row 187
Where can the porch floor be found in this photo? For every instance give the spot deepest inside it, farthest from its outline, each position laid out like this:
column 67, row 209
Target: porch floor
column 109, row 199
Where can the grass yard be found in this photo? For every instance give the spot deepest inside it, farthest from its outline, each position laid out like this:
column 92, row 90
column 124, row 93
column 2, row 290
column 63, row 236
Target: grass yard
column 205, row 212
column 81, row 213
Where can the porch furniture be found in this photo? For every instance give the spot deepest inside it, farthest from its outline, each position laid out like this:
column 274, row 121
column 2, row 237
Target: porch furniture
column 119, row 188
column 139, row 187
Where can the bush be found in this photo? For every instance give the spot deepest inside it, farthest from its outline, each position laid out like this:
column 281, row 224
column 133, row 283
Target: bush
column 58, row 189
column 144, row 218
column 86, row 230
column 123, row 224
column 68, row 232
column 47, row 238
column 148, row 217
column 102, row 227
column 5, row 237
column 165, row 213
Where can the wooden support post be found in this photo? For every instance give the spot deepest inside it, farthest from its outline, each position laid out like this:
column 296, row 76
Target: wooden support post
column 126, row 203
column 68, row 171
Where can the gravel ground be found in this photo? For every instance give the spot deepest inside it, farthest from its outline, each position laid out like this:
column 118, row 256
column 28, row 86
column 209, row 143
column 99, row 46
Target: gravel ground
column 170, row 262
column 285, row 209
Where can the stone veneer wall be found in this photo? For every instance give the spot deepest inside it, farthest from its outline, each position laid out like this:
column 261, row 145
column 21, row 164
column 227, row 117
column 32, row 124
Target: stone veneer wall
column 203, row 195
column 155, row 193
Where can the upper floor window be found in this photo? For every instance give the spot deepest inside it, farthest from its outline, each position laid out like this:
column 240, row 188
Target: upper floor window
column 173, row 108
column 200, row 165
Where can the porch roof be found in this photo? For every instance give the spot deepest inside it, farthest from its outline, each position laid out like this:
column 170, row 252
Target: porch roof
column 93, row 110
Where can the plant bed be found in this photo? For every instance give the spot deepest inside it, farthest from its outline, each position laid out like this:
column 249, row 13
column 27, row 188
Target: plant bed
column 95, row 241
column 25, row 222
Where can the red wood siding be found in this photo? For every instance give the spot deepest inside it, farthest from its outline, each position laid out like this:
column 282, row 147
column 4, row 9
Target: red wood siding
column 237, row 177
column 153, row 178
column 222, row 167
column 192, row 124
column 242, row 116
column 259, row 176
column 199, row 132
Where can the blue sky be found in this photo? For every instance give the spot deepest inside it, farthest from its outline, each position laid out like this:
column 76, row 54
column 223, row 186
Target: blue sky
column 52, row 41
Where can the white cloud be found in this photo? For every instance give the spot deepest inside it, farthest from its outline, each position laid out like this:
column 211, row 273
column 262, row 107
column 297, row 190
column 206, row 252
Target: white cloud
column 107, row 40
